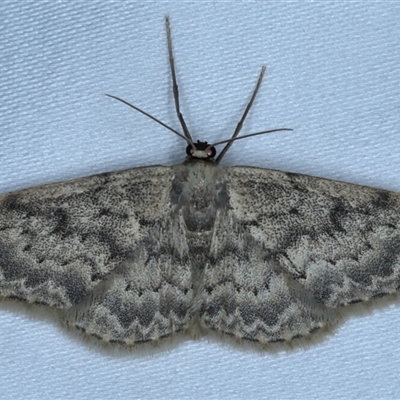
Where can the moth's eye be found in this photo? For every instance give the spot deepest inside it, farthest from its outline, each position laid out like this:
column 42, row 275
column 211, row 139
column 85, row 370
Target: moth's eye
column 211, row 152
column 189, row 150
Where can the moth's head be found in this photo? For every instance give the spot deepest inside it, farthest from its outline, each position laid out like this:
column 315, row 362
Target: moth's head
column 201, row 150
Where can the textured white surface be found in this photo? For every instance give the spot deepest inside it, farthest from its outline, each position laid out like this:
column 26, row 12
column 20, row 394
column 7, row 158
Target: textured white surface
column 332, row 76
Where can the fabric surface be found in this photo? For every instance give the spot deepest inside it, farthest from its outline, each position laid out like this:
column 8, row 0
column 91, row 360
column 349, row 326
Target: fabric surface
column 332, row 76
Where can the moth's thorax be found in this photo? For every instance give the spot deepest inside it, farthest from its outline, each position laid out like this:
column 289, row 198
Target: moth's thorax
column 198, row 191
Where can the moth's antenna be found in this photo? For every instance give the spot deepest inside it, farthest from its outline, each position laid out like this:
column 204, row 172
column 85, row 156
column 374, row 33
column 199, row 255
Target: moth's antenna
column 249, row 135
column 174, row 82
column 151, row 117
column 187, row 137
column 240, row 124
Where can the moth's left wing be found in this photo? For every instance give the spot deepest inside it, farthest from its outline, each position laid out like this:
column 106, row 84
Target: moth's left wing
column 293, row 249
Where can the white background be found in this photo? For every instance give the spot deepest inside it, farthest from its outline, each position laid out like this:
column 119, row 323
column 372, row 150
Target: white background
column 332, row 76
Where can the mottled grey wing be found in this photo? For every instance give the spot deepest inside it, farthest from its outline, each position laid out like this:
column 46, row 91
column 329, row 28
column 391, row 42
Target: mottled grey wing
column 101, row 249
column 295, row 249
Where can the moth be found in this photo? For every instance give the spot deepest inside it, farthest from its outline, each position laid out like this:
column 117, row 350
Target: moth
column 139, row 255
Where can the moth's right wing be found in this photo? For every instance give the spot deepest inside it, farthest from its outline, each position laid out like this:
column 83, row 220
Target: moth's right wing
column 104, row 248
